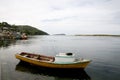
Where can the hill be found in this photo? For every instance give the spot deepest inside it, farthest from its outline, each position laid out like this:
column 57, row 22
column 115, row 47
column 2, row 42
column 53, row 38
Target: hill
column 29, row 30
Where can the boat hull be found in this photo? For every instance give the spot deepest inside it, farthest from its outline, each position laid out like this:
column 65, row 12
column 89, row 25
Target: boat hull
column 80, row 65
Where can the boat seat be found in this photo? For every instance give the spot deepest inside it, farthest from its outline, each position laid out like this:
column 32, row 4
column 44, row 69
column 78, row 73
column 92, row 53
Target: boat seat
column 52, row 59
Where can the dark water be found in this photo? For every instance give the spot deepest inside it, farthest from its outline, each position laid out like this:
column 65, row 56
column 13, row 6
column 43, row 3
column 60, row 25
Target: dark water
column 103, row 51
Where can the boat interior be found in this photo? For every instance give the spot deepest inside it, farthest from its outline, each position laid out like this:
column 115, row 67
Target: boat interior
column 38, row 57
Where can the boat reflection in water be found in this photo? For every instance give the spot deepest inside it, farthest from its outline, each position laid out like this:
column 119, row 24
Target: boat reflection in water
column 58, row 74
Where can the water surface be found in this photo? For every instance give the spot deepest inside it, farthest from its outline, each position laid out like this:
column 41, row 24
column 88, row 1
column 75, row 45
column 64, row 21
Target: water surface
column 103, row 51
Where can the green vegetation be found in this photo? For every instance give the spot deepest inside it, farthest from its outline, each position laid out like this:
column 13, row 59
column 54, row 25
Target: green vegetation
column 29, row 30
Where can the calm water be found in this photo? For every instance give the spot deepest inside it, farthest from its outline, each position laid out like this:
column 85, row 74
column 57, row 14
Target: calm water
column 103, row 51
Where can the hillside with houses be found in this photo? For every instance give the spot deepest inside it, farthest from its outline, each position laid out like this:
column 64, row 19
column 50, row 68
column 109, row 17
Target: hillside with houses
column 8, row 31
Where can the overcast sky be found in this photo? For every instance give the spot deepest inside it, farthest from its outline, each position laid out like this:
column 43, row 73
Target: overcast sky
column 64, row 16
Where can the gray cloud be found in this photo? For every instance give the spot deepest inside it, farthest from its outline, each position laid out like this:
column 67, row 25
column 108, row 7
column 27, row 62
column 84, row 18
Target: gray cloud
column 64, row 16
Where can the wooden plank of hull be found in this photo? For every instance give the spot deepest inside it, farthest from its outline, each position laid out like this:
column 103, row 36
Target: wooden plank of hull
column 52, row 64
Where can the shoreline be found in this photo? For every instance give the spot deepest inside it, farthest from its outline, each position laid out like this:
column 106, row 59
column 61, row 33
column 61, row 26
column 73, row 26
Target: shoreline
column 98, row 35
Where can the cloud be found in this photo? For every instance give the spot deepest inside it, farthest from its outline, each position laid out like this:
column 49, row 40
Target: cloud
column 64, row 16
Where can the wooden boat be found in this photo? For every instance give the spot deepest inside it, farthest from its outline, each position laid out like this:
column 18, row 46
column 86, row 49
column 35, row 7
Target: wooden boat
column 62, row 60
